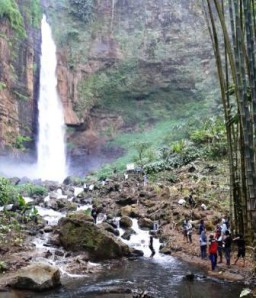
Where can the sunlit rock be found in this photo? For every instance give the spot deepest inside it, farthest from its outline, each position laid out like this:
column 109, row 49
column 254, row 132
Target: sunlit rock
column 36, row 277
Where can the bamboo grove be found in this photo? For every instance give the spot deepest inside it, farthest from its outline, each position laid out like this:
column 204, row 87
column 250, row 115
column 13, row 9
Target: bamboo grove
column 232, row 28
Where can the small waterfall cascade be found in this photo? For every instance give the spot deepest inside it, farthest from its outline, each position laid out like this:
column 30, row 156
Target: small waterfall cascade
column 51, row 153
column 140, row 240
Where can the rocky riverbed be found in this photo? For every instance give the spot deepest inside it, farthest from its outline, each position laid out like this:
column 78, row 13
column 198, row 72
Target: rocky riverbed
column 78, row 246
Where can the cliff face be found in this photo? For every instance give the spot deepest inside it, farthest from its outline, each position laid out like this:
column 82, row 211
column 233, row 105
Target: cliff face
column 121, row 65
column 19, row 78
column 136, row 53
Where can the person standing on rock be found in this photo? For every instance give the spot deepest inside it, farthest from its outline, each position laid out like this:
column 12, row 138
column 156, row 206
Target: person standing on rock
column 151, row 246
column 94, row 213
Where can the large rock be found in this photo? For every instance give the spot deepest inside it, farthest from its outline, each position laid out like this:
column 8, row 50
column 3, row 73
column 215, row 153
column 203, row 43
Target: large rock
column 80, row 235
column 131, row 211
column 126, row 199
column 145, row 223
column 125, row 222
column 36, row 277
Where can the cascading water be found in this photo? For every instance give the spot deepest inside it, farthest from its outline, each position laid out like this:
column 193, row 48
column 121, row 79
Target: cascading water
column 51, row 160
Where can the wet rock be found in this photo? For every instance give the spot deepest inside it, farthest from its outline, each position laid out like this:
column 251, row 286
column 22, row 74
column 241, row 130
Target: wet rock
column 166, row 250
column 36, row 277
column 125, row 222
column 143, row 294
column 189, row 276
column 109, row 228
column 127, row 210
column 79, row 235
column 145, row 223
column 80, row 215
column 59, row 253
column 48, row 254
column 53, row 240
column 128, row 233
column 48, row 229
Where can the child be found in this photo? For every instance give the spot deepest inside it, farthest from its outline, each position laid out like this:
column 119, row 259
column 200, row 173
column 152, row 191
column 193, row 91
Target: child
column 213, row 247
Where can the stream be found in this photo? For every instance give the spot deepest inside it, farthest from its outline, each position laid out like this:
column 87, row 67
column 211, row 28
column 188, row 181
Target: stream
column 161, row 276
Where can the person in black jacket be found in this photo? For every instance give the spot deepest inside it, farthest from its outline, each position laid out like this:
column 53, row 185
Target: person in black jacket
column 227, row 246
column 94, row 213
column 241, row 248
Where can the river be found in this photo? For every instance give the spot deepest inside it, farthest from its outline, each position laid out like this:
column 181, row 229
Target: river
column 161, row 277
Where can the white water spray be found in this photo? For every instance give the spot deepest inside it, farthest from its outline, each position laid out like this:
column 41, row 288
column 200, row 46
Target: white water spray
column 51, row 160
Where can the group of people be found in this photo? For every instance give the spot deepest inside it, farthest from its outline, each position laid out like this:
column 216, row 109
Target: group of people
column 220, row 243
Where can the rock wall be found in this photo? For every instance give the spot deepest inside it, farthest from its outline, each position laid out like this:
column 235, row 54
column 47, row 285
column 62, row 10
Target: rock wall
column 19, row 81
column 164, row 46
column 128, row 51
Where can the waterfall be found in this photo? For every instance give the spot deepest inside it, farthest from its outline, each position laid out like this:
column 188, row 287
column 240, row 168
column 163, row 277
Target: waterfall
column 51, row 153
column 140, row 240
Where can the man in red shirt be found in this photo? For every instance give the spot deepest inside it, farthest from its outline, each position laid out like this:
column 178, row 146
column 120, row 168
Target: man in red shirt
column 213, row 248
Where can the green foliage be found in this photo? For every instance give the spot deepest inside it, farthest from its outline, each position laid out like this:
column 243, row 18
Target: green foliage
column 19, row 142
column 4, row 191
column 2, row 86
column 82, row 9
column 8, row 193
column 21, row 201
column 212, row 131
column 10, row 10
column 3, row 266
column 87, row 211
column 36, row 13
column 144, row 153
column 31, row 190
column 178, row 146
column 174, row 160
column 107, row 84
column 34, row 212
column 21, row 96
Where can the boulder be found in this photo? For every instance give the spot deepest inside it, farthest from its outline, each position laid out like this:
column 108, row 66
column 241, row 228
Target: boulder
column 128, row 233
column 79, row 236
column 126, row 200
column 145, row 223
column 109, row 228
column 80, row 215
column 36, row 277
column 125, row 222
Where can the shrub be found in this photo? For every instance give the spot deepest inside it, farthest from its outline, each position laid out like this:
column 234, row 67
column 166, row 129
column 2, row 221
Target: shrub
column 8, row 193
column 10, row 10
column 30, row 190
column 82, row 9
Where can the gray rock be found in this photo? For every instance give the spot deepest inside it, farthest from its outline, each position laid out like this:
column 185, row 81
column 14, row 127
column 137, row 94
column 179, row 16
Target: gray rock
column 36, row 277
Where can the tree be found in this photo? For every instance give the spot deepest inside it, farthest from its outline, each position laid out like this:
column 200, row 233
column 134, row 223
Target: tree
column 237, row 77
